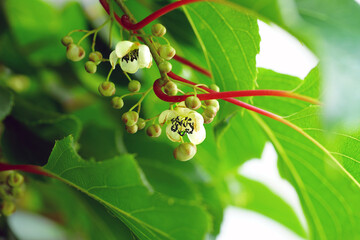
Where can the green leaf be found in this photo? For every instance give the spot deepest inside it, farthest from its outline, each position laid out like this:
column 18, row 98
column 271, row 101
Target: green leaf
column 6, row 102
column 257, row 197
column 230, row 41
column 323, row 169
column 120, row 185
column 331, row 29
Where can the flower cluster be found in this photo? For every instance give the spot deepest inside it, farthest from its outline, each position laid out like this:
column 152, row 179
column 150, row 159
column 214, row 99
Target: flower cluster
column 11, row 188
column 181, row 121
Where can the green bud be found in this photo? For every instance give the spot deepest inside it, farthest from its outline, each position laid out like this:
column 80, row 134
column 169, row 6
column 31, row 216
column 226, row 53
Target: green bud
column 214, row 87
column 74, row 52
column 130, row 118
column 193, row 102
column 185, row 151
column 4, row 176
column 67, row 40
column 132, row 129
column 153, row 130
column 171, row 88
column 7, row 208
column 117, row 102
column 213, row 103
column 210, row 111
column 15, row 179
column 165, row 67
column 95, row 57
column 141, row 123
column 107, row 89
column 134, row 86
column 167, row 52
column 163, row 81
column 207, row 120
column 158, row 30
column 90, row 67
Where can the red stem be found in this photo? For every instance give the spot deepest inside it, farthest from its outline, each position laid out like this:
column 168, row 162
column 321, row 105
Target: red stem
column 168, row 8
column 164, row 97
column 25, row 168
column 230, row 94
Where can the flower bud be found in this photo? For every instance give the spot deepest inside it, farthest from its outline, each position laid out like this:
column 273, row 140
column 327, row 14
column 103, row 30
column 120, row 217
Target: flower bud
column 67, row 40
column 130, row 118
column 163, row 81
column 213, row 103
column 158, row 30
column 170, row 88
column 165, row 67
column 167, row 52
column 4, row 176
column 134, row 86
column 74, row 52
column 95, row 57
column 153, row 130
column 193, row 102
column 185, row 151
column 90, row 67
column 7, row 208
column 210, row 111
column 117, row 102
column 214, row 87
column 107, row 89
column 141, row 123
column 132, row 129
column 207, row 120
column 15, row 179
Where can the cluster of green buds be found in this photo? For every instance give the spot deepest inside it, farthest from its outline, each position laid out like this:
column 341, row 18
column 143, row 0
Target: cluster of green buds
column 74, row 52
column 166, row 52
column 11, row 188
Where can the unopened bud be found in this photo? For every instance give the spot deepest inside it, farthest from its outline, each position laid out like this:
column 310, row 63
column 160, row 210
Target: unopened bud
column 153, row 130
column 15, row 179
column 165, row 67
column 90, row 67
column 7, row 208
column 193, row 102
column 158, row 30
column 67, row 40
column 214, row 87
column 107, row 89
column 134, row 86
column 213, row 103
column 74, row 52
column 167, row 52
column 141, row 123
column 117, row 102
column 170, row 88
column 132, row 129
column 207, row 120
column 185, row 151
column 95, row 57
column 210, row 111
column 130, row 118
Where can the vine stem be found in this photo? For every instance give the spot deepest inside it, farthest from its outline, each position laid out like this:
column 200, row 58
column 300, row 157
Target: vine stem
column 182, row 60
column 230, row 94
column 25, row 168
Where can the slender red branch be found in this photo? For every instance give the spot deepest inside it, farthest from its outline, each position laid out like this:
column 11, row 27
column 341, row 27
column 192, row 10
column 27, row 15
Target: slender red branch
column 25, row 168
column 231, row 94
column 168, row 8
column 163, row 96
column 192, row 65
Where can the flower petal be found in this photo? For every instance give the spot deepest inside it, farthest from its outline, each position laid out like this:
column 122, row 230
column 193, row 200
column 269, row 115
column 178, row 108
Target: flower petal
column 145, row 58
column 123, row 47
column 165, row 116
column 129, row 66
column 173, row 136
column 198, row 137
column 198, row 120
column 113, row 59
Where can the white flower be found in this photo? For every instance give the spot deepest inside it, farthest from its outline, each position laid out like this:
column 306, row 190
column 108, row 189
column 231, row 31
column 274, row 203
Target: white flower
column 132, row 56
column 181, row 121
